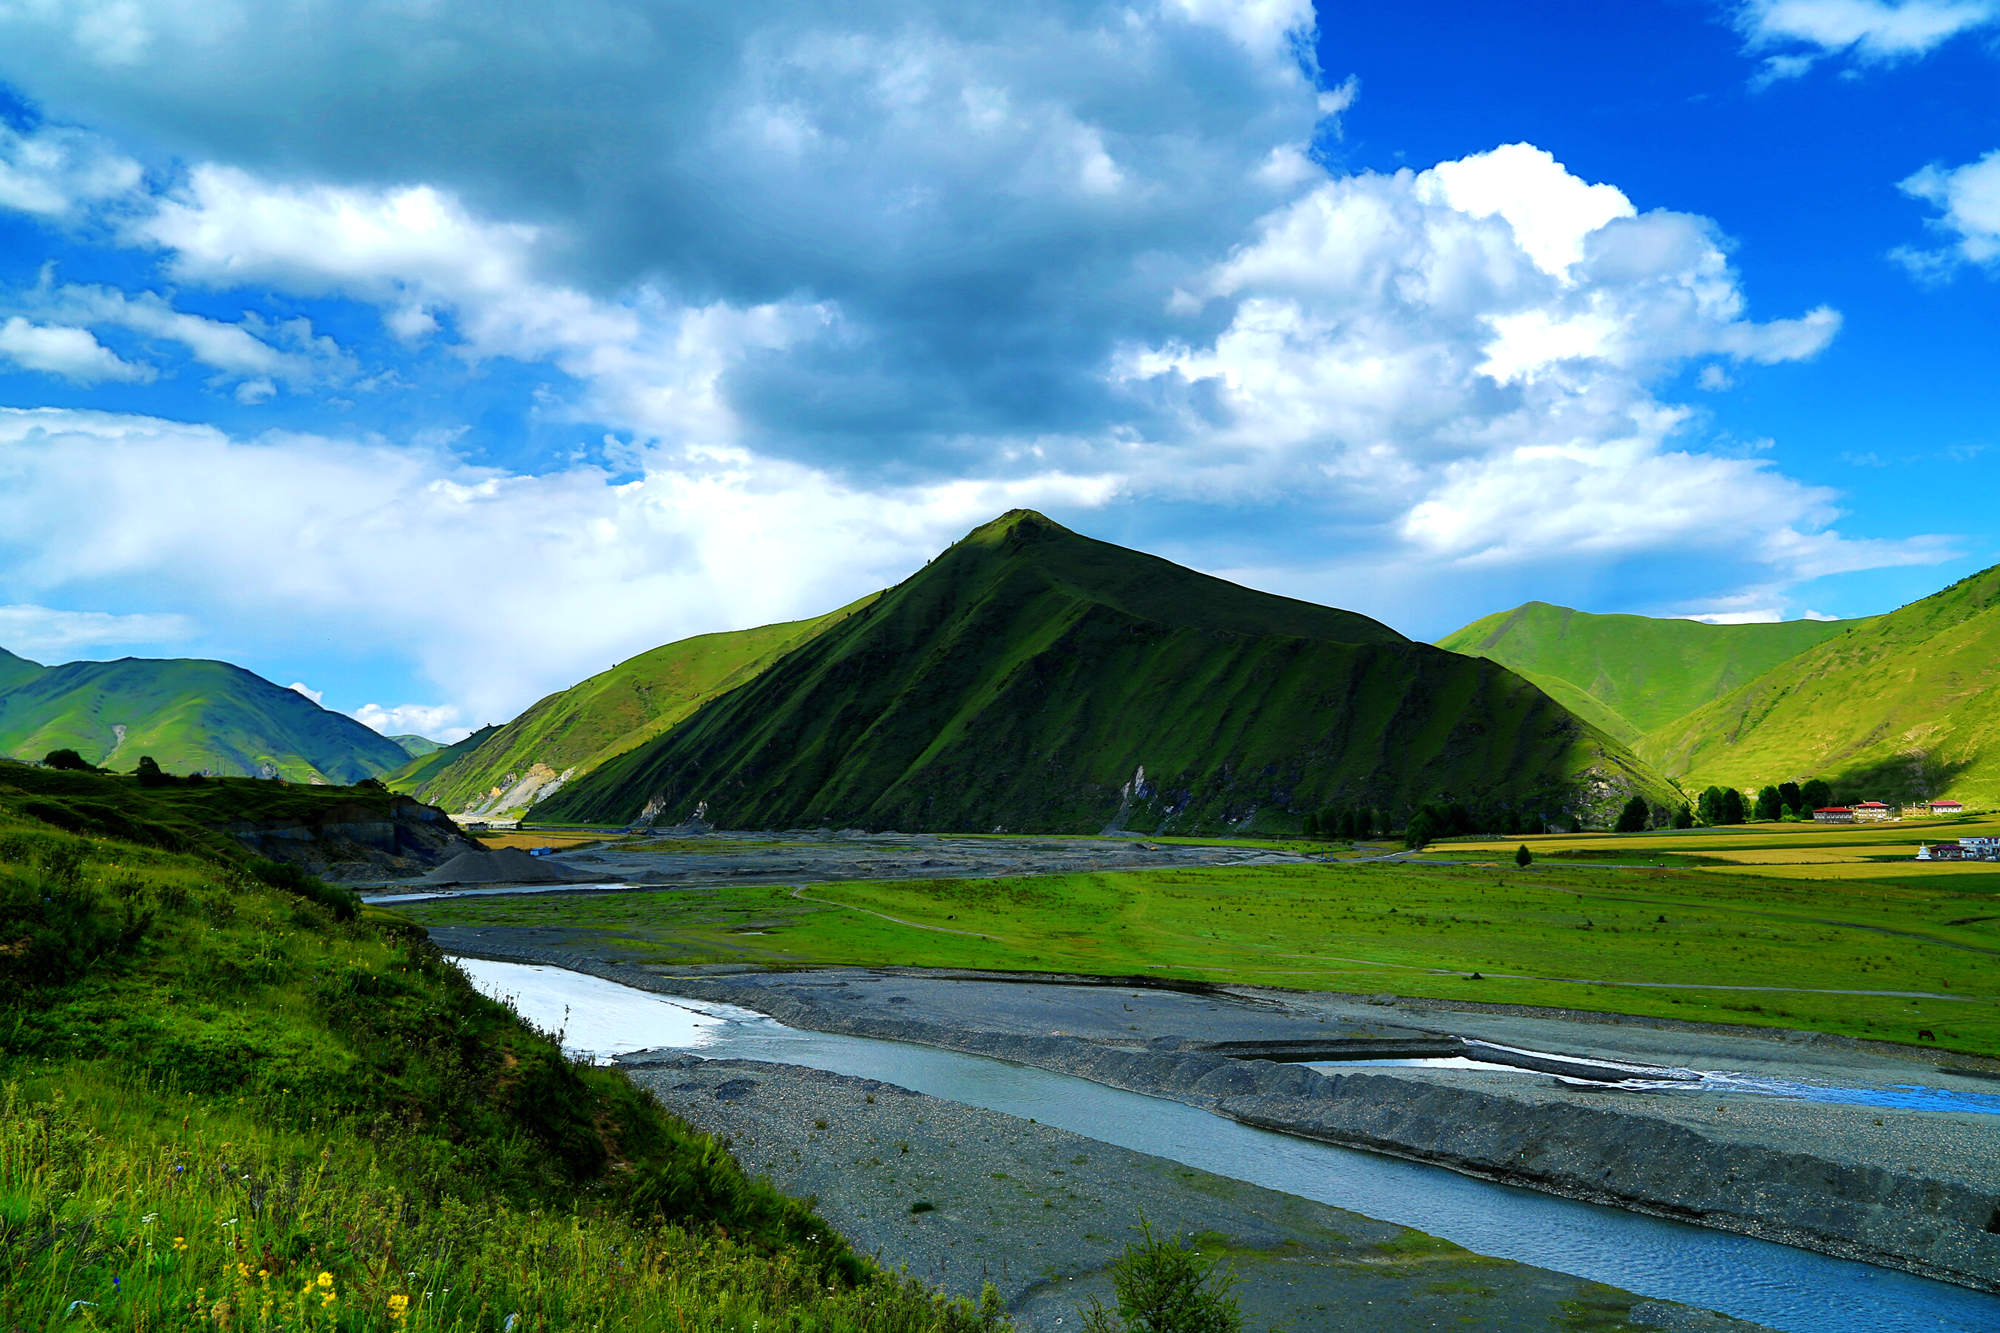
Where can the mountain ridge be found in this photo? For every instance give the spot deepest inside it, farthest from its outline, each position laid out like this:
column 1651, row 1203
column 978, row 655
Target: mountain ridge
column 189, row 715
column 1631, row 674
column 1030, row 677
column 1906, row 706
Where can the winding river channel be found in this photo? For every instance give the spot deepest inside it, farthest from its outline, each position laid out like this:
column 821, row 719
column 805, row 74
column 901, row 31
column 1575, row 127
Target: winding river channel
column 1771, row 1284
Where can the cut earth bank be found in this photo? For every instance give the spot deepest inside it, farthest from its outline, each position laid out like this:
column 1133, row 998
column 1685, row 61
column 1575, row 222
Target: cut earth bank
column 1902, row 1187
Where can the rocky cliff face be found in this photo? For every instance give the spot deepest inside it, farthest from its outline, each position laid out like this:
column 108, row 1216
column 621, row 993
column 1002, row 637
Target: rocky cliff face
column 356, row 840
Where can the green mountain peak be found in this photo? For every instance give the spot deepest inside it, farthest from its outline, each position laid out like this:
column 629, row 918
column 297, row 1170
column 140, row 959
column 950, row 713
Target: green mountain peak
column 1033, row 678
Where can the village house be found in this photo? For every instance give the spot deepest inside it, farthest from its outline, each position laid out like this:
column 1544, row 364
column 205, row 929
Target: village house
column 1833, row 814
column 1947, row 807
column 1872, row 810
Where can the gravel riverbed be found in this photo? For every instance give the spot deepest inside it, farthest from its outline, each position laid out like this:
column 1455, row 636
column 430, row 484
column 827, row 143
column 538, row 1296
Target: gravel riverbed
column 961, row 1197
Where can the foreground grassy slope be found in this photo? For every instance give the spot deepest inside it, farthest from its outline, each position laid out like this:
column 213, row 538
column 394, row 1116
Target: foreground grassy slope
column 1634, row 674
column 1901, row 707
column 1026, row 676
column 1877, row 958
column 190, row 716
column 231, row 1103
column 577, row 729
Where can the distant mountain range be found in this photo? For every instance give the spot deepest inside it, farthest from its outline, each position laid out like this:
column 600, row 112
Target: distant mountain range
column 189, row 715
column 1634, row 674
column 1904, row 706
column 1898, row 707
column 1033, row 679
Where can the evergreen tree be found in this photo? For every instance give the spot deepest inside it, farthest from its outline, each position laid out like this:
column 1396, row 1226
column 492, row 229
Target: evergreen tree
column 1364, row 823
column 149, row 772
column 1794, row 799
column 1770, row 804
column 1421, row 828
column 1732, row 806
column 1683, row 818
column 1632, row 819
column 1815, row 795
column 1523, row 857
column 1312, row 824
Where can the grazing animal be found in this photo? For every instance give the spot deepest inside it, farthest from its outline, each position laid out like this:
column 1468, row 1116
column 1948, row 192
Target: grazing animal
column 1925, row 1034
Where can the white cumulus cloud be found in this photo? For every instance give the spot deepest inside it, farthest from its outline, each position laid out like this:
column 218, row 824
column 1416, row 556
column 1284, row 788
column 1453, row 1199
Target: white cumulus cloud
column 61, row 349
column 1968, row 202
column 1871, row 31
column 50, row 634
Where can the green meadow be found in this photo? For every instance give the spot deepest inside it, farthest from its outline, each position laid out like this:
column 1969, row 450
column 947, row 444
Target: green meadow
column 1861, row 958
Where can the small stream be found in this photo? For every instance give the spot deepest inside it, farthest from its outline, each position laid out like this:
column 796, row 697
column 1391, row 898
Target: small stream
column 1752, row 1279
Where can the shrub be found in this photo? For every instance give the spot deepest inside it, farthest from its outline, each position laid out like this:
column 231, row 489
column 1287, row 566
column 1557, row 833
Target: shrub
column 1166, row 1286
column 149, row 773
column 68, row 760
column 1632, row 819
column 1523, row 857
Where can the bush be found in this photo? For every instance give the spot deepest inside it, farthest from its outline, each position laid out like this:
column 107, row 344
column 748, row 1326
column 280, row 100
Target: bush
column 343, row 903
column 1632, row 819
column 67, row 760
column 1166, row 1286
column 149, row 773
column 1523, row 857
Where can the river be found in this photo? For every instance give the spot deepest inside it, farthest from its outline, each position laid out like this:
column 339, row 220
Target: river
column 1752, row 1279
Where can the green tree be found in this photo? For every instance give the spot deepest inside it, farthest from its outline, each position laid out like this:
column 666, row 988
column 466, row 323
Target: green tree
column 1792, row 796
column 1166, row 1286
column 1523, row 857
column 149, row 773
column 1632, row 819
column 1732, row 806
column 67, row 759
column 1683, row 818
column 1815, row 795
column 1770, row 804
column 1708, row 806
column 1312, row 824
column 1364, row 823
column 1420, row 829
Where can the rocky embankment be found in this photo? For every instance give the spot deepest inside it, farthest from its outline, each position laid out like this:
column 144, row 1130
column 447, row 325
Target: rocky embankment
column 361, row 840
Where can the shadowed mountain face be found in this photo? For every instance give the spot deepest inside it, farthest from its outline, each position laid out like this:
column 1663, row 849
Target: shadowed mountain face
column 1031, row 678
column 190, row 716
column 1905, row 706
column 503, row 770
column 1633, row 674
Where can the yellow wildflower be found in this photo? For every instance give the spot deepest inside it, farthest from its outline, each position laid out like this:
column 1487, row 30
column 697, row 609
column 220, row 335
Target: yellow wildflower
column 326, row 1282
column 180, row 1243
column 399, row 1306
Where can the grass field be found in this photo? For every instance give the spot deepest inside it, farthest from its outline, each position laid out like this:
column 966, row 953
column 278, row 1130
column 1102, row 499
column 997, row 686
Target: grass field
column 1869, row 958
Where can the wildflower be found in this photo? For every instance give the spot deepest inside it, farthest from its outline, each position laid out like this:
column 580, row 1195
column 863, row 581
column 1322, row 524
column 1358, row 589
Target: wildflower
column 327, row 1299
column 325, row 1281
column 399, row 1306
column 180, row 1243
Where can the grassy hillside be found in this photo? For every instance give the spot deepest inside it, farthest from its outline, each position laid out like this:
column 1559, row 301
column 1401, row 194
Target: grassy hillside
column 16, row 670
column 1634, row 674
column 418, row 746
column 572, row 732
column 1904, row 706
column 228, row 1103
column 190, row 716
column 1024, row 678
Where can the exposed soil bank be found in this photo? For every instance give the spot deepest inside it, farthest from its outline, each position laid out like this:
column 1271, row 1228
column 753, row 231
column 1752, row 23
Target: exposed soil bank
column 1914, row 1190
column 961, row 1196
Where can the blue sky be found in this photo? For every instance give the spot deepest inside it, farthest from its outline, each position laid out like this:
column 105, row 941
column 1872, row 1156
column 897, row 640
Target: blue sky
column 434, row 357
